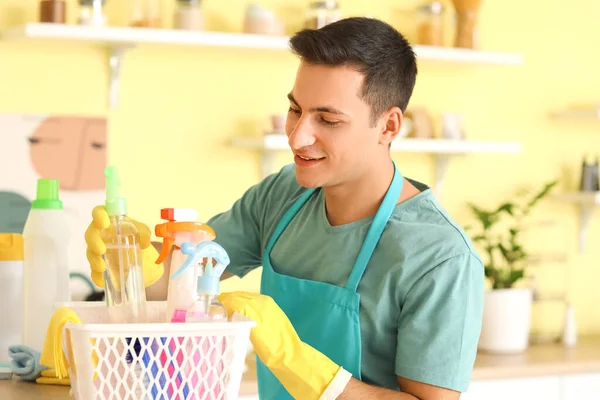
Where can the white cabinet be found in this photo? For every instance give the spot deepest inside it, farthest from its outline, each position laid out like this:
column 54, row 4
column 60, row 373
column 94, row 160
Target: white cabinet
column 581, row 386
column 546, row 388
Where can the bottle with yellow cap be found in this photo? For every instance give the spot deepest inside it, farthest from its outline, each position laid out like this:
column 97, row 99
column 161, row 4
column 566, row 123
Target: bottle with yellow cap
column 11, row 301
column 46, row 270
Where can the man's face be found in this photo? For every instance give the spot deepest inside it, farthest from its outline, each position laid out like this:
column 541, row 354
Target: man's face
column 328, row 126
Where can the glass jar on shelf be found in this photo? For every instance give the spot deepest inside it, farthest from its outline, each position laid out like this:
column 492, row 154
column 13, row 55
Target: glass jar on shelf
column 189, row 15
column 321, row 13
column 91, row 13
column 430, row 24
column 146, row 14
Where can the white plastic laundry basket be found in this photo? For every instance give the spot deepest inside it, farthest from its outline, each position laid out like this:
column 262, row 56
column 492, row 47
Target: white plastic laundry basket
column 155, row 360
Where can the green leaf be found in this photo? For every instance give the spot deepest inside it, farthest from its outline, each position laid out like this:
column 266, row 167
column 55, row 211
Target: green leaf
column 505, row 253
column 490, row 272
column 507, row 208
column 478, row 238
column 515, row 275
column 542, row 193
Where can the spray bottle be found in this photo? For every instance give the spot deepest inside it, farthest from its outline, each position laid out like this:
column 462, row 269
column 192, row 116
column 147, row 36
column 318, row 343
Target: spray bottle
column 124, row 280
column 180, row 228
column 203, row 305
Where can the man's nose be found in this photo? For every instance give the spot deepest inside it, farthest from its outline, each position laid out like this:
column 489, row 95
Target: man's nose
column 302, row 135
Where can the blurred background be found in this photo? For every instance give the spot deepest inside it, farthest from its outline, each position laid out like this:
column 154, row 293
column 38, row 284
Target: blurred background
column 503, row 125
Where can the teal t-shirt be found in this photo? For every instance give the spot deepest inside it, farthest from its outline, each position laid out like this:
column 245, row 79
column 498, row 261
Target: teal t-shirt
column 421, row 296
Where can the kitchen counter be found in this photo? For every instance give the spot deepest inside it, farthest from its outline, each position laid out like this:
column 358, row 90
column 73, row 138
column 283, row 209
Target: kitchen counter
column 541, row 360
column 538, row 360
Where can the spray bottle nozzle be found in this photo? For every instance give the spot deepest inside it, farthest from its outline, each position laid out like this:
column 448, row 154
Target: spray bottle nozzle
column 208, row 283
column 174, row 233
column 115, row 205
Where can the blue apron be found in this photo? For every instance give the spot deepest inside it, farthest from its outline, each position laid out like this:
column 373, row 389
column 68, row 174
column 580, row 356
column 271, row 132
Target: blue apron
column 325, row 316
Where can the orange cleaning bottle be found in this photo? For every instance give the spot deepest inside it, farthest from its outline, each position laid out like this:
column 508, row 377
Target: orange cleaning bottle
column 181, row 227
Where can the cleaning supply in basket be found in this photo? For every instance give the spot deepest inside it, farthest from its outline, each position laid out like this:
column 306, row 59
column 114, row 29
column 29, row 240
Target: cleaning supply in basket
column 53, row 356
column 46, row 270
column 205, row 305
column 11, row 299
column 25, row 362
column 124, row 279
column 205, row 353
column 181, row 227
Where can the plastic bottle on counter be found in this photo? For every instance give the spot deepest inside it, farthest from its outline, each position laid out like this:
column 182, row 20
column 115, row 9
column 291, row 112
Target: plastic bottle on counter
column 46, row 270
column 181, row 227
column 11, row 301
column 124, row 278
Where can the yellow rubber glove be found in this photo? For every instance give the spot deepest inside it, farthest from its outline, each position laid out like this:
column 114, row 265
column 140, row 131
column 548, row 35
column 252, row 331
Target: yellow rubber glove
column 302, row 370
column 96, row 248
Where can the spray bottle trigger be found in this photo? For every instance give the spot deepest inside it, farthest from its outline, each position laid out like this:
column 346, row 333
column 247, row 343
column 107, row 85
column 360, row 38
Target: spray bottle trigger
column 188, row 249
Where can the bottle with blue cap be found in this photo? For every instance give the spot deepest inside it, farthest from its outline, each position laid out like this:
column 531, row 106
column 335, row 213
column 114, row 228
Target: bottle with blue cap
column 124, row 279
column 204, row 306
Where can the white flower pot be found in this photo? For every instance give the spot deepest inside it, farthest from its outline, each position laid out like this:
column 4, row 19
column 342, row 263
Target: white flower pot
column 506, row 320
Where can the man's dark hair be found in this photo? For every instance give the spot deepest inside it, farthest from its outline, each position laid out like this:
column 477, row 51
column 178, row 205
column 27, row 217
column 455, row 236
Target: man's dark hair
column 374, row 48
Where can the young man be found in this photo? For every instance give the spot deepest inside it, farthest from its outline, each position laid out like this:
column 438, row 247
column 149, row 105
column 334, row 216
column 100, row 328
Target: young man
column 369, row 288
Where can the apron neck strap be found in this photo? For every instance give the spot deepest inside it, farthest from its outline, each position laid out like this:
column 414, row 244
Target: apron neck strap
column 376, row 230
column 287, row 218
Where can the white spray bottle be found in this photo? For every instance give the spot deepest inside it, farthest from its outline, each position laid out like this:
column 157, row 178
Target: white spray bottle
column 203, row 305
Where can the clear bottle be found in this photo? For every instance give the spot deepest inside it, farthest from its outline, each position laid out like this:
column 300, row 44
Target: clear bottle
column 91, row 13
column 189, row 15
column 124, row 279
column 204, row 303
column 321, row 13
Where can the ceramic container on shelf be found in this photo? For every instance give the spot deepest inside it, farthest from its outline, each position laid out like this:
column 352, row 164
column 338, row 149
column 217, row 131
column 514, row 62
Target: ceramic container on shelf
column 189, row 15
column 53, row 11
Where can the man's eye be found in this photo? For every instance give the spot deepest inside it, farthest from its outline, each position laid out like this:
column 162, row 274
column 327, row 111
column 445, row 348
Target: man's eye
column 329, row 123
column 294, row 110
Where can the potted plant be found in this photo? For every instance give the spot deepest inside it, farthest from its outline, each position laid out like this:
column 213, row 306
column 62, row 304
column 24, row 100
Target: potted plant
column 507, row 306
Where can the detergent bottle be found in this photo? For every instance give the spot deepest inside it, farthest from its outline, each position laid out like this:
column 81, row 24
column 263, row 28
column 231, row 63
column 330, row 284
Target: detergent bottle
column 45, row 266
column 11, row 298
column 181, row 227
column 204, row 304
column 124, row 279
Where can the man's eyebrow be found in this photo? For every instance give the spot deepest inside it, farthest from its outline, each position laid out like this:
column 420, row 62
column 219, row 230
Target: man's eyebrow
column 327, row 109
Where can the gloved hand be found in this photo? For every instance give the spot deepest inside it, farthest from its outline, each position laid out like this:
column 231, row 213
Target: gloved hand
column 304, row 371
column 96, row 248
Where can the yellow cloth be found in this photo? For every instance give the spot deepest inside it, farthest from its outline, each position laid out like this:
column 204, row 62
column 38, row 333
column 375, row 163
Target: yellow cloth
column 52, row 355
column 304, row 371
column 96, row 248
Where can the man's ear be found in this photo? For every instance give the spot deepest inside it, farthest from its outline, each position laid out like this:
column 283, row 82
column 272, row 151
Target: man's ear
column 392, row 125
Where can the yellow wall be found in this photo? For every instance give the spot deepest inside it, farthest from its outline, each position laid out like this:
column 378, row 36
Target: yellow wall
column 180, row 105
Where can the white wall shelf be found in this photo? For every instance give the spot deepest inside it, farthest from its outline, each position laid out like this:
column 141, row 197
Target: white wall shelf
column 587, row 202
column 442, row 149
column 119, row 39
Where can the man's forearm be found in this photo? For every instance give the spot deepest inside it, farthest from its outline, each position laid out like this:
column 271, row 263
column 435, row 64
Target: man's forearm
column 356, row 389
